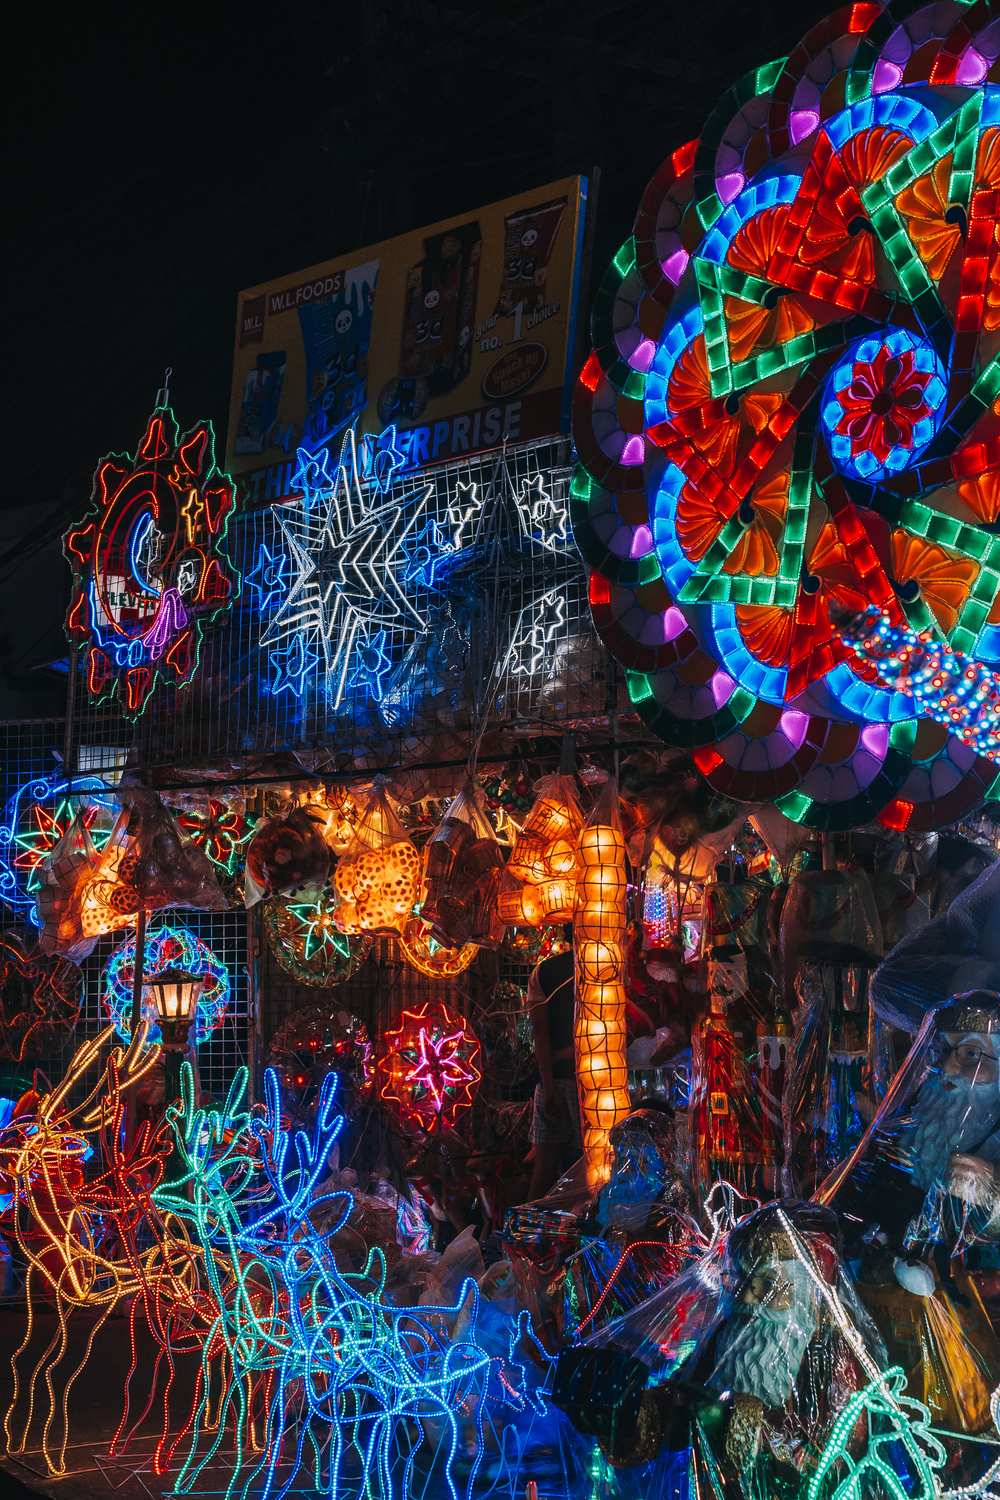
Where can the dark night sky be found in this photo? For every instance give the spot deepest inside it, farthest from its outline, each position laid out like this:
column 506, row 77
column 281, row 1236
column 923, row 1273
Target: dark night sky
column 159, row 160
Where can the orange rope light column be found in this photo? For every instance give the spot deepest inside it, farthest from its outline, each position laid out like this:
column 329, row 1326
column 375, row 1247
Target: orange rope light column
column 599, row 953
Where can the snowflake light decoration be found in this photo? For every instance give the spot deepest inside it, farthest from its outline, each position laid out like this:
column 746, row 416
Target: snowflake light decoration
column 348, row 556
column 148, row 569
column 791, row 412
column 429, row 1067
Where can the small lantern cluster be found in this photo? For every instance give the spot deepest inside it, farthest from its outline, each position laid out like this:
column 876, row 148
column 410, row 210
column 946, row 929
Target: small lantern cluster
column 542, row 872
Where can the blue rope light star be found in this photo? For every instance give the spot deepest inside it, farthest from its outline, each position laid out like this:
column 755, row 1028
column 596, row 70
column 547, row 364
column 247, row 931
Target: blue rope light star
column 382, row 458
column 268, row 577
column 292, row 666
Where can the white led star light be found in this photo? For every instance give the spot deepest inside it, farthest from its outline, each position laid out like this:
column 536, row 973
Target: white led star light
column 462, row 512
column 348, row 560
column 542, row 517
column 538, row 625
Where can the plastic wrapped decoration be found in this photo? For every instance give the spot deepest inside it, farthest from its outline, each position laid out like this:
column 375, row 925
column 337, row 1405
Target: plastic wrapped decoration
column 920, row 1196
column 599, row 956
column 462, row 865
column 287, row 853
column 830, row 917
column 339, row 813
column 828, row 1077
column 35, row 820
column 148, row 561
column 307, row 942
column 144, row 865
column 428, row 1067
column 761, row 374
column 40, row 1000
column 732, row 1379
column 221, row 829
column 541, row 872
column 422, row 951
column 320, row 1038
column 169, row 948
column 378, row 878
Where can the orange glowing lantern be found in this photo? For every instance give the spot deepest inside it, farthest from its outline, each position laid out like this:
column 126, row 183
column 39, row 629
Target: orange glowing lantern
column 429, row 1066
column 424, row 953
column 546, row 846
column 599, row 1026
column 378, row 879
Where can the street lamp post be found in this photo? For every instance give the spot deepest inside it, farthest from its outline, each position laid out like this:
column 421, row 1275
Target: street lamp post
column 174, row 995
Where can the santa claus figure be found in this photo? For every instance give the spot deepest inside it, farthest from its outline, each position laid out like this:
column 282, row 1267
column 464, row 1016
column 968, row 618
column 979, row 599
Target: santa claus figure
column 755, row 1402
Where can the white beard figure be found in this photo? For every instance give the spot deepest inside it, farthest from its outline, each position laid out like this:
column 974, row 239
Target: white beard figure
column 760, row 1350
column 946, row 1120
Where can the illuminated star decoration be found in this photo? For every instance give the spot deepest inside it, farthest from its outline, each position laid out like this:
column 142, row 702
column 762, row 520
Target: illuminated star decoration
column 35, row 819
column 372, row 664
column 221, row 831
column 312, row 475
column 461, row 512
column 348, row 559
column 382, row 458
column 543, row 517
column 317, row 929
column 432, row 552
column 539, row 624
column 292, row 666
column 429, row 1066
column 268, row 577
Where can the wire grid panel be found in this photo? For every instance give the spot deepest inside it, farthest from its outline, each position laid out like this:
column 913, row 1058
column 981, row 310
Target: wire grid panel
column 384, row 624
column 30, row 749
column 225, row 933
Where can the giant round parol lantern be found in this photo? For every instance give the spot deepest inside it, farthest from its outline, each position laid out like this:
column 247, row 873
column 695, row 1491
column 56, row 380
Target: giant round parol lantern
column 791, row 413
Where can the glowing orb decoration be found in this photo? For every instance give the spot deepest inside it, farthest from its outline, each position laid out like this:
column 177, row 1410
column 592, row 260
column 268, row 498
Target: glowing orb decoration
column 169, row 948
column 35, row 819
column 791, row 412
column 428, row 1067
column 307, row 942
column 148, row 570
column 221, row 831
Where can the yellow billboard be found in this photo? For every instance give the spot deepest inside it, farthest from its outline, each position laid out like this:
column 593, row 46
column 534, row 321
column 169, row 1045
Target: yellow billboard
column 458, row 335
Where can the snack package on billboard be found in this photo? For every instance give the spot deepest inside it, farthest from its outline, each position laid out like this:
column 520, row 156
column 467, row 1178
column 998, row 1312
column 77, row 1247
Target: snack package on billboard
column 336, row 335
column 261, row 397
column 529, row 237
column 439, row 309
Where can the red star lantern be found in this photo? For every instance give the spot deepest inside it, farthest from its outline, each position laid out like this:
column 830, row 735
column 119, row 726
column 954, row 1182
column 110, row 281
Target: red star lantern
column 429, row 1067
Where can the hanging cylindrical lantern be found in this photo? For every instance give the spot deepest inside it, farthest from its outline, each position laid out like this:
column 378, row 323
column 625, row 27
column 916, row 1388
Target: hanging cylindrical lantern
column 599, row 1027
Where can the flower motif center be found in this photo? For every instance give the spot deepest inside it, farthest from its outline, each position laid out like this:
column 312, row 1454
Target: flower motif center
column 883, row 404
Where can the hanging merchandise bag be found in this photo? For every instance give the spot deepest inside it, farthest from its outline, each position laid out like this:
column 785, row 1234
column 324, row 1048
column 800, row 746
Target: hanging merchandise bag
column 463, row 862
column 378, row 878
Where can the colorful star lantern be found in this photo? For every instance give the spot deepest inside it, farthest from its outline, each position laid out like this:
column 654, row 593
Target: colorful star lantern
column 220, row 830
column 35, row 819
column 791, row 407
column 167, row 949
column 348, row 551
column 428, row 1067
column 307, row 942
column 148, row 569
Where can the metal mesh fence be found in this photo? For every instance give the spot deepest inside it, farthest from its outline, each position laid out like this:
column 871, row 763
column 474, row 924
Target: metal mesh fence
column 380, row 628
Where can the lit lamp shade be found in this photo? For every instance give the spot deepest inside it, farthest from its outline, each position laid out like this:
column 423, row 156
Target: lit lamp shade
column 172, row 997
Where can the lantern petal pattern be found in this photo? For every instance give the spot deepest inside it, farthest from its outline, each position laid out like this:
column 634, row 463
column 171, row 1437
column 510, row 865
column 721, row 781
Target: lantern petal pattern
column 790, row 410
column 428, row 1067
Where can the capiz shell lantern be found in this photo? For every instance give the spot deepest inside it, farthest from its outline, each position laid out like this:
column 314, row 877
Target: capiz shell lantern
column 378, row 879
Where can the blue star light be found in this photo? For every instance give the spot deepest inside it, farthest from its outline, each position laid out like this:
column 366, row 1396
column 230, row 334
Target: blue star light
column 312, row 475
column 372, row 664
column 267, row 577
column 382, row 458
column 430, row 553
column 291, row 667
